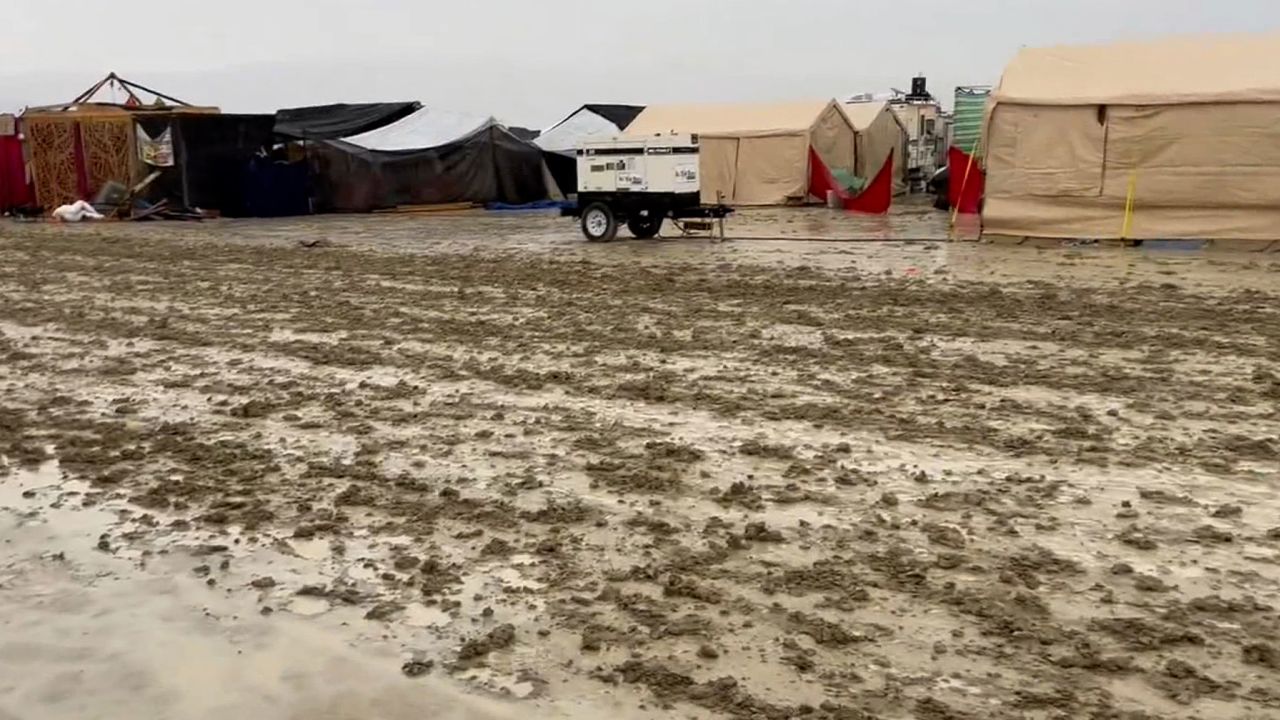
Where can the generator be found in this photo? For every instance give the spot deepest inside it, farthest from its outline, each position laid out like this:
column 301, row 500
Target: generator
column 640, row 182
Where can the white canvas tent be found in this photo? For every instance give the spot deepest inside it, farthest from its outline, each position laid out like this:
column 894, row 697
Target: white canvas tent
column 1187, row 126
column 758, row 154
column 561, row 141
column 880, row 132
column 426, row 128
column 587, row 122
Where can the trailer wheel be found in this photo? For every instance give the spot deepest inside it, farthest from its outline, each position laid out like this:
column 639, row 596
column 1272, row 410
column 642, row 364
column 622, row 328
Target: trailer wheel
column 645, row 227
column 599, row 223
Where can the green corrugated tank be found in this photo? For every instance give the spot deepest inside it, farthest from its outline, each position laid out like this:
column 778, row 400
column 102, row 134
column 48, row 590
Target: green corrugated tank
column 970, row 103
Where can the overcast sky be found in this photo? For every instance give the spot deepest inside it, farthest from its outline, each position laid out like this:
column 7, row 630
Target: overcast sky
column 530, row 62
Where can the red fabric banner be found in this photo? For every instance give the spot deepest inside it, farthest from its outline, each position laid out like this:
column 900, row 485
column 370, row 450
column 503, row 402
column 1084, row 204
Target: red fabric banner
column 821, row 181
column 82, row 164
column 967, row 182
column 875, row 198
column 878, row 196
column 14, row 190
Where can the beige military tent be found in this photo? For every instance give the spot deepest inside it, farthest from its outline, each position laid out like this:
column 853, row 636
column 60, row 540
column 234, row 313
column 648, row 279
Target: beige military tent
column 880, row 132
column 1185, row 127
column 758, row 154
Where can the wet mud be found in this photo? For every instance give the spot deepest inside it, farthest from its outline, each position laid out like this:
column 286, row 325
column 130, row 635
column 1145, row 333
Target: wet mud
column 477, row 460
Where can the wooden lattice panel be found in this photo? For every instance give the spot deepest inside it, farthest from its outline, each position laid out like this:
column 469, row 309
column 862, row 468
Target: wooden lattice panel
column 53, row 161
column 108, row 151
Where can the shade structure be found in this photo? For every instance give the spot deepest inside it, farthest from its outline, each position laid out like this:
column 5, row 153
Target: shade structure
column 78, row 147
column 1181, row 131
column 76, row 150
column 758, row 154
column 881, row 134
column 428, row 157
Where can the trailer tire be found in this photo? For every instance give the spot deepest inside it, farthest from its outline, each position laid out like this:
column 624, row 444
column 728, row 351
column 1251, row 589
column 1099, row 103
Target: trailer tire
column 645, row 227
column 599, row 224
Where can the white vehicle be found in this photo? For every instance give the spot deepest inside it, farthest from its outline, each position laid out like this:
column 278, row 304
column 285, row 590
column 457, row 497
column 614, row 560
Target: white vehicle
column 640, row 182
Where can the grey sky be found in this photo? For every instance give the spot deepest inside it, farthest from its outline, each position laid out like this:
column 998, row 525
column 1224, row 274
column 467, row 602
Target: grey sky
column 531, row 62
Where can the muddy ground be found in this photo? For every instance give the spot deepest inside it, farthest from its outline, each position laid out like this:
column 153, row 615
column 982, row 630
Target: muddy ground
column 473, row 467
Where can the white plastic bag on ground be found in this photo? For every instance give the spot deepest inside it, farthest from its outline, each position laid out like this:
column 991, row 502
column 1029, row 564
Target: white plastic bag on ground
column 75, row 212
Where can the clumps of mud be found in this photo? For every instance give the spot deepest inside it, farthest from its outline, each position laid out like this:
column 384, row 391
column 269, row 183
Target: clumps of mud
column 1262, row 655
column 724, row 695
column 948, row 536
column 385, row 611
column 1185, row 683
column 1210, row 535
column 497, row 547
column 1137, row 538
column 1159, row 496
column 822, row 631
column 663, row 386
column 1086, row 655
column 659, row 467
column 18, row 441
column 339, row 591
column 1144, row 635
column 1027, row 567
column 436, row 577
column 476, row 650
column 955, row 500
column 595, row 637
column 759, row 531
column 740, row 494
column 767, row 450
column 679, row 586
column 836, row 580
column 562, row 512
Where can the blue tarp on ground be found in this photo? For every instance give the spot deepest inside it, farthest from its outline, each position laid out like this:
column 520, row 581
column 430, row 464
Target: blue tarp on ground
column 539, row 205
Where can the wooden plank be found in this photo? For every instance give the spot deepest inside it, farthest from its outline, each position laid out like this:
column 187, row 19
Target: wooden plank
column 442, row 207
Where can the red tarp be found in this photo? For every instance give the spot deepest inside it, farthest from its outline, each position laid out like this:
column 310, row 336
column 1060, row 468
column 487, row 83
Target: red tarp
column 874, row 199
column 14, row 190
column 967, row 182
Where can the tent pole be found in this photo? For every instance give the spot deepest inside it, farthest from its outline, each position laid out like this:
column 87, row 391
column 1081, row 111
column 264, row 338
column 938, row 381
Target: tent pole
column 94, row 89
column 1127, row 228
column 130, row 85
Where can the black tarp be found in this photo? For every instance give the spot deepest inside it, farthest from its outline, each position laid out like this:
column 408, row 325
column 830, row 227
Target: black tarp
column 491, row 165
column 526, row 134
column 212, row 155
column 276, row 188
column 620, row 115
column 332, row 122
column 564, row 171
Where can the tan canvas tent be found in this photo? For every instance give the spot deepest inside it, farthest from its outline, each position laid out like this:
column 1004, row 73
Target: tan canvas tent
column 880, row 132
column 1185, row 126
column 758, row 154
